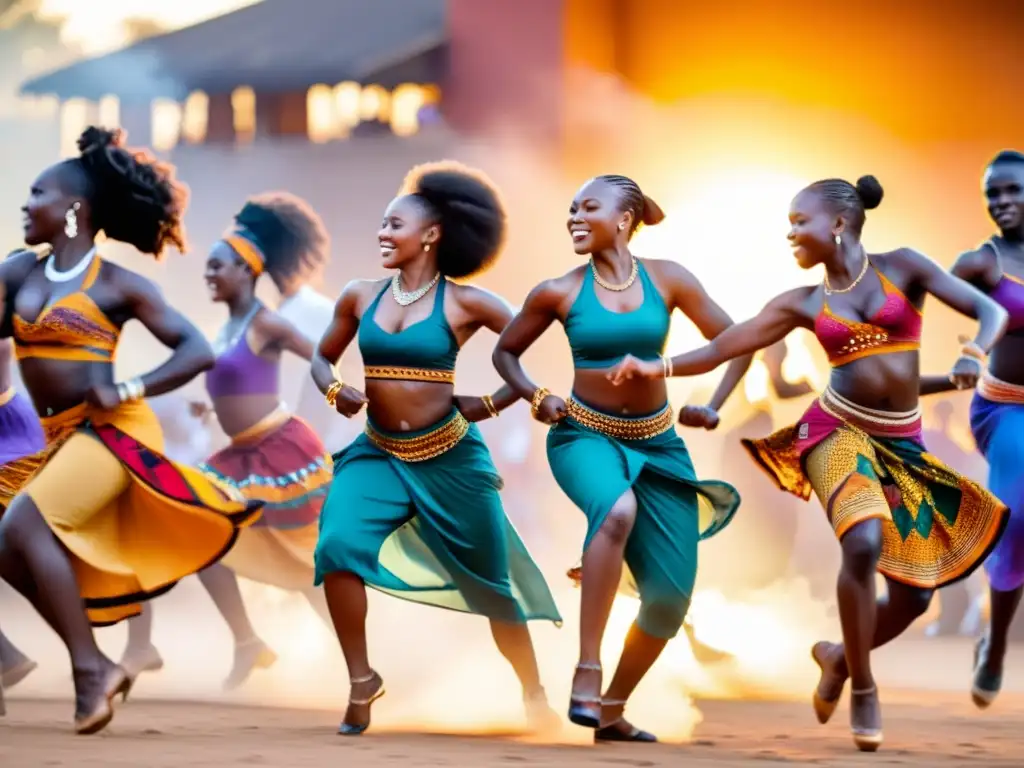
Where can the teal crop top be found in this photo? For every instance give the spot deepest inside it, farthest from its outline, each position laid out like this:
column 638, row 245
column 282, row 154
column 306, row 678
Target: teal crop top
column 600, row 337
column 425, row 351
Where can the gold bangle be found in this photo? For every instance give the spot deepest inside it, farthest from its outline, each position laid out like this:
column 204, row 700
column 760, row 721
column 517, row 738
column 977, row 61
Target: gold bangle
column 489, row 405
column 331, row 395
column 972, row 349
column 537, row 399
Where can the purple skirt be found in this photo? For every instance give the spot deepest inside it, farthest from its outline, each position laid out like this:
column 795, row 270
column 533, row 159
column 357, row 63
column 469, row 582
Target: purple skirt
column 21, row 434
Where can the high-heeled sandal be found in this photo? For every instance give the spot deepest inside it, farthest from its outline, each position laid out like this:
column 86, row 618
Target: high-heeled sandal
column 119, row 684
column 585, row 711
column 866, row 739
column 610, row 733
column 985, row 687
column 357, row 729
column 823, row 708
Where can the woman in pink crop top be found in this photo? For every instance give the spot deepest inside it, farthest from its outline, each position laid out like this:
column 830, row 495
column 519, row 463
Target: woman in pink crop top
column 894, row 507
column 997, row 410
column 274, row 456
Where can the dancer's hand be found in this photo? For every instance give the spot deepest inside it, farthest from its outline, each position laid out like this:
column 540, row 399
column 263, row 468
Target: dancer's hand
column 349, row 402
column 103, row 396
column 552, row 409
column 472, row 408
column 965, row 372
column 698, row 416
column 634, row 368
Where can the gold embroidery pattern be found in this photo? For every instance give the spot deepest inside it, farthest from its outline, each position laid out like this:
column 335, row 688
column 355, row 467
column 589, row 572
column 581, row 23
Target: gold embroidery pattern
column 620, row 428
column 408, row 374
column 422, row 447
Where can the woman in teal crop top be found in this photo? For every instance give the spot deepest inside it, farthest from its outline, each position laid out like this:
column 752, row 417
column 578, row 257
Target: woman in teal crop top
column 414, row 509
column 614, row 451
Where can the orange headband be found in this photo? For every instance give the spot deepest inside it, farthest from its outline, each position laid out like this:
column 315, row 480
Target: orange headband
column 248, row 252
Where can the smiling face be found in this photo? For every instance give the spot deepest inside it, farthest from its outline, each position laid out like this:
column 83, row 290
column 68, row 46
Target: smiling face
column 406, row 228
column 595, row 217
column 1004, row 192
column 43, row 214
column 226, row 274
column 812, row 229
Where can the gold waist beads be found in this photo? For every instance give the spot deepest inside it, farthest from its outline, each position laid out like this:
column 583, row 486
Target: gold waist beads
column 618, row 427
column 408, row 374
column 422, row 447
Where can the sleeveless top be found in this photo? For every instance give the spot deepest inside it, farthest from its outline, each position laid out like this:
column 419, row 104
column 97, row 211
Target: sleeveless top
column 240, row 371
column 600, row 338
column 71, row 328
column 1008, row 293
column 896, row 327
column 425, row 351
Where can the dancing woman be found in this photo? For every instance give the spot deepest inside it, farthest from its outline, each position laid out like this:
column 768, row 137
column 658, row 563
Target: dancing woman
column 20, row 436
column 414, row 509
column 274, row 457
column 614, row 452
column 100, row 515
column 997, row 411
column 894, row 507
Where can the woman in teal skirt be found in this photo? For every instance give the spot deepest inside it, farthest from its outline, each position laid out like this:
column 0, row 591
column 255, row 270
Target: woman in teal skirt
column 414, row 509
column 614, row 450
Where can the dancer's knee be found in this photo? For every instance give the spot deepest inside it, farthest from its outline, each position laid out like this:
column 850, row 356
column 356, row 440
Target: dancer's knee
column 662, row 616
column 619, row 523
column 19, row 523
column 862, row 547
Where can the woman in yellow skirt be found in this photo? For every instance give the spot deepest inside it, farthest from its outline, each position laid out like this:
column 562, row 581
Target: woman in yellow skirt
column 894, row 507
column 274, row 456
column 100, row 519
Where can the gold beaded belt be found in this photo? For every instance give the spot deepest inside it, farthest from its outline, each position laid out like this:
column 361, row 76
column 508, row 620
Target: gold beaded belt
column 618, row 427
column 996, row 391
column 408, row 374
column 422, row 447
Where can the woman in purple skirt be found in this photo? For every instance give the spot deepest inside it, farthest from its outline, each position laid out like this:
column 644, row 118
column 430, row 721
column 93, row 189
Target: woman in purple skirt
column 20, row 435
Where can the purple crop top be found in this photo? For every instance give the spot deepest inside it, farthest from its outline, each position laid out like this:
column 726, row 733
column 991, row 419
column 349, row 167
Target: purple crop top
column 1008, row 293
column 240, row 371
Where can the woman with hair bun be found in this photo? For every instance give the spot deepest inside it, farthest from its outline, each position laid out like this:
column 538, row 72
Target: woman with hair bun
column 614, row 451
column 274, row 456
column 414, row 510
column 100, row 520
column 895, row 508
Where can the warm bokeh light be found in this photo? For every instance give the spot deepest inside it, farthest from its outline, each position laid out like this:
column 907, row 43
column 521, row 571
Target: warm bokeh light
column 167, row 120
column 195, row 117
column 243, row 107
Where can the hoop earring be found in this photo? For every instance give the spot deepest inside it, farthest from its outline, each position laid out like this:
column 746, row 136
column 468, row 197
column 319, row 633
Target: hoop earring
column 71, row 222
column 621, row 227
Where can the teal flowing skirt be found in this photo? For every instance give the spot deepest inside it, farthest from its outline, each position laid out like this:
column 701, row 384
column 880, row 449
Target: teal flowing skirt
column 432, row 531
column 674, row 511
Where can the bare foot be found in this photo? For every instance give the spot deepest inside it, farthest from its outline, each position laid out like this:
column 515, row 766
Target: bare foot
column 249, row 656
column 831, row 660
column 540, row 717
column 364, row 691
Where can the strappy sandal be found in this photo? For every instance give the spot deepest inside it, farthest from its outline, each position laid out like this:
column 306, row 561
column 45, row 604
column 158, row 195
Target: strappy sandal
column 986, row 686
column 866, row 739
column 585, row 711
column 357, row 729
column 610, row 732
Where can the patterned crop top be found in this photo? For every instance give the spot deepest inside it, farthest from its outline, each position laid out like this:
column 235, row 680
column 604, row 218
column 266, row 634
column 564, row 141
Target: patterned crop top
column 425, row 351
column 896, row 327
column 71, row 328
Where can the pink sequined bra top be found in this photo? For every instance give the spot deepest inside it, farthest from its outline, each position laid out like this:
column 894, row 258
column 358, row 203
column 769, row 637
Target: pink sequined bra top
column 896, row 327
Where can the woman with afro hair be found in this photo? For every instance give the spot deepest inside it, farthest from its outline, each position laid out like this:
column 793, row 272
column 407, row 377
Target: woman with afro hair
column 100, row 520
column 274, row 456
column 414, row 510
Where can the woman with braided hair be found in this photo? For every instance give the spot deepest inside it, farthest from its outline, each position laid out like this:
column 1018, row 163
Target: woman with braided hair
column 274, row 456
column 414, row 510
column 895, row 508
column 100, row 516
column 614, row 451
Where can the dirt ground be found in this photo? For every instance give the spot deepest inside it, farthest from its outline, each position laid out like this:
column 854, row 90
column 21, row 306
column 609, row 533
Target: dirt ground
column 923, row 728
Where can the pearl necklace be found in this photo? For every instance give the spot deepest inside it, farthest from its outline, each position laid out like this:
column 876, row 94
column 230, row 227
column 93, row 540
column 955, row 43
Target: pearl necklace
column 54, row 275
column 405, row 298
column 609, row 286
